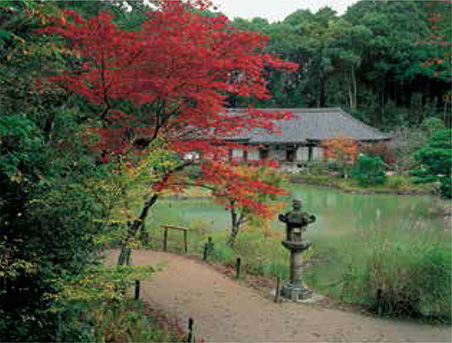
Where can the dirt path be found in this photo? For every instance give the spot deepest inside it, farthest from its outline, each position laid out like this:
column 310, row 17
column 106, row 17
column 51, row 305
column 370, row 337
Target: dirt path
column 225, row 311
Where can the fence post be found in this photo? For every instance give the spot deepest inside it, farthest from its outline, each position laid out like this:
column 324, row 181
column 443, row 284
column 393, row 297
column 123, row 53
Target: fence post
column 165, row 238
column 204, row 254
column 137, row 289
column 278, row 288
column 190, row 330
column 238, row 267
column 208, row 248
column 185, row 241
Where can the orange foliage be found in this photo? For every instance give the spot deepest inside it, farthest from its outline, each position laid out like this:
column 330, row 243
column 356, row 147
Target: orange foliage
column 341, row 148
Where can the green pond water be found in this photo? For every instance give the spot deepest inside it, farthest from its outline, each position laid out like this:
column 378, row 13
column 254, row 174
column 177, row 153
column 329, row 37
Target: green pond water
column 337, row 212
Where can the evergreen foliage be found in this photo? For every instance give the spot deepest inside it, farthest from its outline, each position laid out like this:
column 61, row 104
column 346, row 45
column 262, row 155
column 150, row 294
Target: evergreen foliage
column 435, row 159
column 52, row 208
column 369, row 171
column 387, row 62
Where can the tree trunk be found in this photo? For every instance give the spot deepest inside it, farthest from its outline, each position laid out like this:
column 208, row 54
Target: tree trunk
column 133, row 228
column 322, row 95
column 235, row 226
column 353, row 100
column 350, row 97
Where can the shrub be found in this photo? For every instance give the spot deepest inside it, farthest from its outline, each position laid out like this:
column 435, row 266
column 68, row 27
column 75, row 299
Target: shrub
column 381, row 150
column 398, row 182
column 401, row 276
column 124, row 321
column 436, row 160
column 369, row 171
column 431, row 125
column 317, row 168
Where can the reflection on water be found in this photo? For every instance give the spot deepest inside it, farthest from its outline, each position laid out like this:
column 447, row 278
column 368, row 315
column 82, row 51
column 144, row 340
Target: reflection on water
column 337, row 212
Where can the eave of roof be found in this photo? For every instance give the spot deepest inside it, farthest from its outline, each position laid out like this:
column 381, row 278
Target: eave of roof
column 313, row 124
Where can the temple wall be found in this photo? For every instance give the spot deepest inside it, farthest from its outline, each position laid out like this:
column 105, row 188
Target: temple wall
column 253, row 155
column 237, row 154
column 302, row 154
column 317, row 154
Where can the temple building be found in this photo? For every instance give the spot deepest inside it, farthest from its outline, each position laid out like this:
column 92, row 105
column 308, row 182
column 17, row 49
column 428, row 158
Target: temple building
column 299, row 139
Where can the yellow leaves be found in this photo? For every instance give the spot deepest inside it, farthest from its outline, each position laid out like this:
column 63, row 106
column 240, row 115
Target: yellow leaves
column 279, row 206
column 110, row 221
column 102, row 283
column 18, row 39
column 40, row 15
column 17, row 177
column 14, row 269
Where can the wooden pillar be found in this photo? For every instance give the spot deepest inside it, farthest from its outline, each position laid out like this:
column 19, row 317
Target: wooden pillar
column 165, row 238
column 190, row 337
column 278, row 289
column 137, row 290
column 238, row 267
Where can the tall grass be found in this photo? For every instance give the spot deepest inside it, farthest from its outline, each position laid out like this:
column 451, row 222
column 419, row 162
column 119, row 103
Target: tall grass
column 402, row 272
column 399, row 270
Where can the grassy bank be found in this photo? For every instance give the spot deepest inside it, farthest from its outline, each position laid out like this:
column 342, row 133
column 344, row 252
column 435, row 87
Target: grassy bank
column 404, row 271
column 396, row 184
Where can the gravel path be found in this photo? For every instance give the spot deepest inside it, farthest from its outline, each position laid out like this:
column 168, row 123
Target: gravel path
column 225, row 311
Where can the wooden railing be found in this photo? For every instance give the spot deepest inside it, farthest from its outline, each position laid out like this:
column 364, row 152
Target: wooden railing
column 179, row 228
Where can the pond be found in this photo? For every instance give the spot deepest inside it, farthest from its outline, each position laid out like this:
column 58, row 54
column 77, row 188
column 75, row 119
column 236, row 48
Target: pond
column 337, row 212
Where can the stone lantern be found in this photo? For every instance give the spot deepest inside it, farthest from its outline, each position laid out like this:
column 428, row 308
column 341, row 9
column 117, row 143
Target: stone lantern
column 296, row 222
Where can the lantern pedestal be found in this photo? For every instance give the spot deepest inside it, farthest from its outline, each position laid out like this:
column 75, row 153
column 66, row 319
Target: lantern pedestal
column 295, row 289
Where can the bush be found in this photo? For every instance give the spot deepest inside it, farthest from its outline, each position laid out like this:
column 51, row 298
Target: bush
column 369, row 171
column 381, row 150
column 431, row 125
column 317, row 168
column 398, row 181
column 401, row 277
column 436, row 160
column 123, row 321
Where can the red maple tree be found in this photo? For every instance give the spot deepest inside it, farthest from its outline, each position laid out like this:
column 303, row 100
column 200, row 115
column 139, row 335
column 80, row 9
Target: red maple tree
column 343, row 150
column 244, row 190
column 176, row 73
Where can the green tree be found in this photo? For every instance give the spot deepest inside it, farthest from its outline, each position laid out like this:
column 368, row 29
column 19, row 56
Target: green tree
column 431, row 125
column 369, row 171
column 436, row 162
column 385, row 61
column 49, row 208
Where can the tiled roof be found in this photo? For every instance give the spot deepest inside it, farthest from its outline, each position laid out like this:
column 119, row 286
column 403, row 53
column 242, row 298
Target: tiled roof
column 314, row 124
